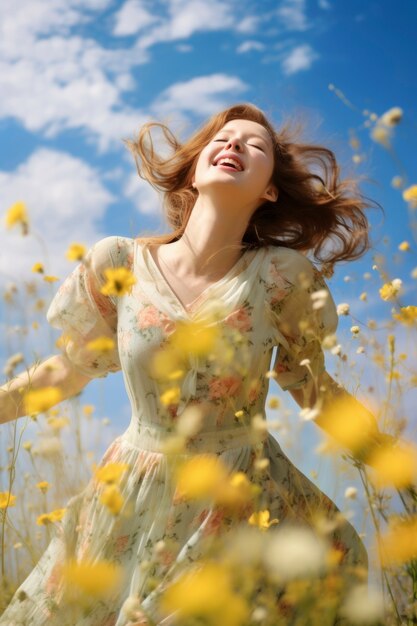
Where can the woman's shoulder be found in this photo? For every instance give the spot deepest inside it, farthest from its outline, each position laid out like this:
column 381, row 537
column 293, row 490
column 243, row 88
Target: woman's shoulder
column 112, row 251
column 290, row 264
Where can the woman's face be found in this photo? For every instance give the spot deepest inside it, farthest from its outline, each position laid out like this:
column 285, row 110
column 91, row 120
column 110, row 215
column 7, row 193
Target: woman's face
column 249, row 146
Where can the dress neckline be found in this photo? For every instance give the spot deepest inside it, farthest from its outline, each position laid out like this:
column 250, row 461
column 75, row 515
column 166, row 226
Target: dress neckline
column 245, row 259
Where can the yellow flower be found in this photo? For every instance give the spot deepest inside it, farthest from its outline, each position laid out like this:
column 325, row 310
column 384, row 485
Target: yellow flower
column 7, row 499
column 363, row 297
column 410, row 196
column 238, row 490
column 119, row 281
column 261, row 520
column 348, row 423
column 57, row 423
column 390, row 290
column 171, row 396
column 201, row 477
column 207, row 594
column 38, row 268
column 195, row 338
column 27, row 446
column 48, row 518
column 274, row 403
column 110, row 473
column 40, row 400
column 88, row 409
column 50, row 279
column 112, row 499
column 165, row 364
column 399, row 544
column 407, row 315
column 101, row 344
column 43, row 486
column 17, row 214
column 75, row 252
column 86, row 581
column 394, row 466
column 404, row 246
column 381, row 134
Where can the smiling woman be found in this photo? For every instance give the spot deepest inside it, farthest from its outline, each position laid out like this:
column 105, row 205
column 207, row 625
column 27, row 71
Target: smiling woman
column 191, row 318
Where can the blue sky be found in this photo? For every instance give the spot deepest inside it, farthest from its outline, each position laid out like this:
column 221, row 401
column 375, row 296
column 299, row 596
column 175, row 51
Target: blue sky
column 78, row 76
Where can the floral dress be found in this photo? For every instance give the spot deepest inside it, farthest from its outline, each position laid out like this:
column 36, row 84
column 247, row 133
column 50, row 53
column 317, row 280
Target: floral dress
column 263, row 297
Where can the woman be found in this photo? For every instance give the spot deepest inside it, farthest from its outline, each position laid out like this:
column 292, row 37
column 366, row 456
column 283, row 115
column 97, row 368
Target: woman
column 245, row 207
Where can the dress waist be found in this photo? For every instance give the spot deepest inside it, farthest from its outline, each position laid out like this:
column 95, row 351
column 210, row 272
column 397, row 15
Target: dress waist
column 152, row 437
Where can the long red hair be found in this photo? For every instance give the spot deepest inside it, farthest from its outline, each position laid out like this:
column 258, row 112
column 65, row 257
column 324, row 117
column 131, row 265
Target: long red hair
column 315, row 210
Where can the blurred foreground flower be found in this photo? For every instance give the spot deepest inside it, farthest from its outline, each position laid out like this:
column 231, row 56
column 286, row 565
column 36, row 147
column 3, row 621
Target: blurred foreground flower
column 407, row 315
column 392, row 117
column 49, row 518
column 206, row 594
column 410, row 196
column 201, row 477
column 101, row 344
column 394, row 466
column 399, row 544
column 112, row 499
column 17, row 214
column 196, row 338
column 296, row 552
column 390, row 290
column 349, row 424
column 40, row 400
column 110, row 473
column 75, row 252
column 363, row 606
column 119, row 281
column 86, row 582
column 6, row 499
column 261, row 520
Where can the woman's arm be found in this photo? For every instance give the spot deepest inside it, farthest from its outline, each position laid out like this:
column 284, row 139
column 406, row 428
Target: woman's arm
column 56, row 371
column 328, row 392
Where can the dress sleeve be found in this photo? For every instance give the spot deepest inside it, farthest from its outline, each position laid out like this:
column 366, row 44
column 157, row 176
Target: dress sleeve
column 83, row 313
column 302, row 312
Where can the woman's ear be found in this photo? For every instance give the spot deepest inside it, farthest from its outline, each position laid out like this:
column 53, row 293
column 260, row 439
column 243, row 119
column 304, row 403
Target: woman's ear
column 271, row 193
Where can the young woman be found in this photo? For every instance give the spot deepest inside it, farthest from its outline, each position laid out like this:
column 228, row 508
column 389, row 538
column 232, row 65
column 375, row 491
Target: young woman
column 245, row 206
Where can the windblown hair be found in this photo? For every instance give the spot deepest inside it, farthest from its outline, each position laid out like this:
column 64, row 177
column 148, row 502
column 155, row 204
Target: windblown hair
column 314, row 213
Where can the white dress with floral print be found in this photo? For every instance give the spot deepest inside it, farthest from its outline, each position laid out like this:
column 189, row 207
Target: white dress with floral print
column 264, row 297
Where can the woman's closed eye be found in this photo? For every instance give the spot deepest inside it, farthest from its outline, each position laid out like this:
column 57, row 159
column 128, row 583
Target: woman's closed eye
column 249, row 144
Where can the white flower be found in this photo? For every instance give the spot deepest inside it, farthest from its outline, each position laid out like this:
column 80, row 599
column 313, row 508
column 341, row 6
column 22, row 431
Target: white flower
column 363, row 606
column 131, row 608
column 391, row 117
column 308, row 414
column 190, row 421
column 397, row 182
column 319, row 298
column 381, row 134
column 294, row 552
column 343, row 308
column 336, row 350
column 360, row 350
column 49, row 446
column 329, row 341
column 351, row 493
column 355, row 330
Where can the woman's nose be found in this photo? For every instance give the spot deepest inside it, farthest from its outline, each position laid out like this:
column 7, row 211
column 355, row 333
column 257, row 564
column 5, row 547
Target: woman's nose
column 234, row 143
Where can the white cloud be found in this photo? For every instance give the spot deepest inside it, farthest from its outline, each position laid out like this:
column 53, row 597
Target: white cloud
column 248, row 46
column 300, row 58
column 292, row 15
column 186, row 17
column 203, row 95
column 143, row 196
column 66, row 202
column 132, row 18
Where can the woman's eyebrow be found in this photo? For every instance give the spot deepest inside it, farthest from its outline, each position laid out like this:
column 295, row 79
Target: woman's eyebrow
column 248, row 135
